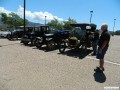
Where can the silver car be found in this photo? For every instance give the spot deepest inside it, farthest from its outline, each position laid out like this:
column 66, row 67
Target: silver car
column 4, row 33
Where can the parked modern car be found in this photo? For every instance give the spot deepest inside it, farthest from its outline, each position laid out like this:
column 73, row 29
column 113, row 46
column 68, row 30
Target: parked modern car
column 4, row 34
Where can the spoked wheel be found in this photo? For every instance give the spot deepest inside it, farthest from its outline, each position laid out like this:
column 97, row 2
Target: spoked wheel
column 9, row 37
column 24, row 42
column 51, row 45
column 84, row 48
column 62, row 47
column 15, row 37
column 39, row 42
column 33, row 42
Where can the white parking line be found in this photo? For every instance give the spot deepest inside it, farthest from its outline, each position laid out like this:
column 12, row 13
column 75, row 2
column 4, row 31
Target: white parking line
column 118, row 64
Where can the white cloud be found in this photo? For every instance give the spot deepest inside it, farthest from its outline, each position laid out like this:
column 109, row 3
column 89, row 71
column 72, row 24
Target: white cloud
column 3, row 10
column 33, row 16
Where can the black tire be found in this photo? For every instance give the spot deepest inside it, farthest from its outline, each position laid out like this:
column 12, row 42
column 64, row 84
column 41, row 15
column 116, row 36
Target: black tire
column 9, row 37
column 51, row 45
column 33, row 42
column 84, row 48
column 15, row 37
column 62, row 47
column 25, row 43
column 38, row 43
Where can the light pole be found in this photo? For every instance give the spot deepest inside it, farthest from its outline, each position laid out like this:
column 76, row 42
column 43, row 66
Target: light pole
column 0, row 17
column 91, row 12
column 24, row 15
column 45, row 19
column 114, row 26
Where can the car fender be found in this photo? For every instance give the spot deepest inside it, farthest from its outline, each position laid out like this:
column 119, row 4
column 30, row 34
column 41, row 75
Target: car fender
column 49, row 39
column 38, row 37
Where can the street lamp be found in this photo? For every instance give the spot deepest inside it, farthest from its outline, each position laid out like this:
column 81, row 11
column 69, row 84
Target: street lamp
column 24, row 14
column 91, row 12
column 114, row 25
column 0, row 18
column 45, row 19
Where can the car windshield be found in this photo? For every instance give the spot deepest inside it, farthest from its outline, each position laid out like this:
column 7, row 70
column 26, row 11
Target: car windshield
column 36, row 29
column 77, row 32
column 44, row 28
column 77, row 28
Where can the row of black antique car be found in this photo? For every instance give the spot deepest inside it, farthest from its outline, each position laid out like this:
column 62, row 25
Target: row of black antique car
column 81, row 37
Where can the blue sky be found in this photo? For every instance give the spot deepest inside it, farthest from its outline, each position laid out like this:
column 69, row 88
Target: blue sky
column 104, row 10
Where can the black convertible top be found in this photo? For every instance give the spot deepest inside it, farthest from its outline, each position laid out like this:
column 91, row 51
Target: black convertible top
column 84, row 25
column 32, row 26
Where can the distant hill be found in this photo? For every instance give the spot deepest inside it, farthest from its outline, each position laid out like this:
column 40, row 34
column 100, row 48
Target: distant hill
column 34, row 24
column 4, row 27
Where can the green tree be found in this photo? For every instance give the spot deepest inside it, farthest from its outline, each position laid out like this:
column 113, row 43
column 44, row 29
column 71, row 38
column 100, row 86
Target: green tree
column 12, row 19
column 67, row 24
column 117, row 32
column 55, row 24
column 4, row 17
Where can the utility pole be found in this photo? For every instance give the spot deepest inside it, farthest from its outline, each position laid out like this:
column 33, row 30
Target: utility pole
column 114, row 26
column 91, row 12
column 24, row 16
column 45, row 19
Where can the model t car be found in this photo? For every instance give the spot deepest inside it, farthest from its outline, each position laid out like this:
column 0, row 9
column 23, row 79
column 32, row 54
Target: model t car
column 52, row 39
column 15, row 34
column 30, row 37
column 80, row 37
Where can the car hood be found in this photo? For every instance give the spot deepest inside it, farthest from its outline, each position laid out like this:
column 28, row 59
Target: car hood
column 6, row 32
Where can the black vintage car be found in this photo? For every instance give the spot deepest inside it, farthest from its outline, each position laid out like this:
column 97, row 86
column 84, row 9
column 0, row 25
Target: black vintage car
column 52, row 39
column 15, row 34
column 18, row 33
column 38, row 31
column 81, row 37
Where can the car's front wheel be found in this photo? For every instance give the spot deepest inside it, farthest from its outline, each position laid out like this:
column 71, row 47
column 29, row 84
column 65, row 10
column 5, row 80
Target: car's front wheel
column 23, row 40
column 51, row 45
column 84, row 48
column 15, row 37
column 25, row 43
column 62, row 46
column 39, row 42
column 9, row 37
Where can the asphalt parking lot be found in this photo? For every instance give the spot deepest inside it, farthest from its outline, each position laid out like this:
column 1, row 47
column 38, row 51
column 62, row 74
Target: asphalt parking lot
column 27, row 68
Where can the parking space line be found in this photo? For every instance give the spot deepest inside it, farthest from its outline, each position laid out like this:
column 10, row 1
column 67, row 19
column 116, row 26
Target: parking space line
column 118, row 64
